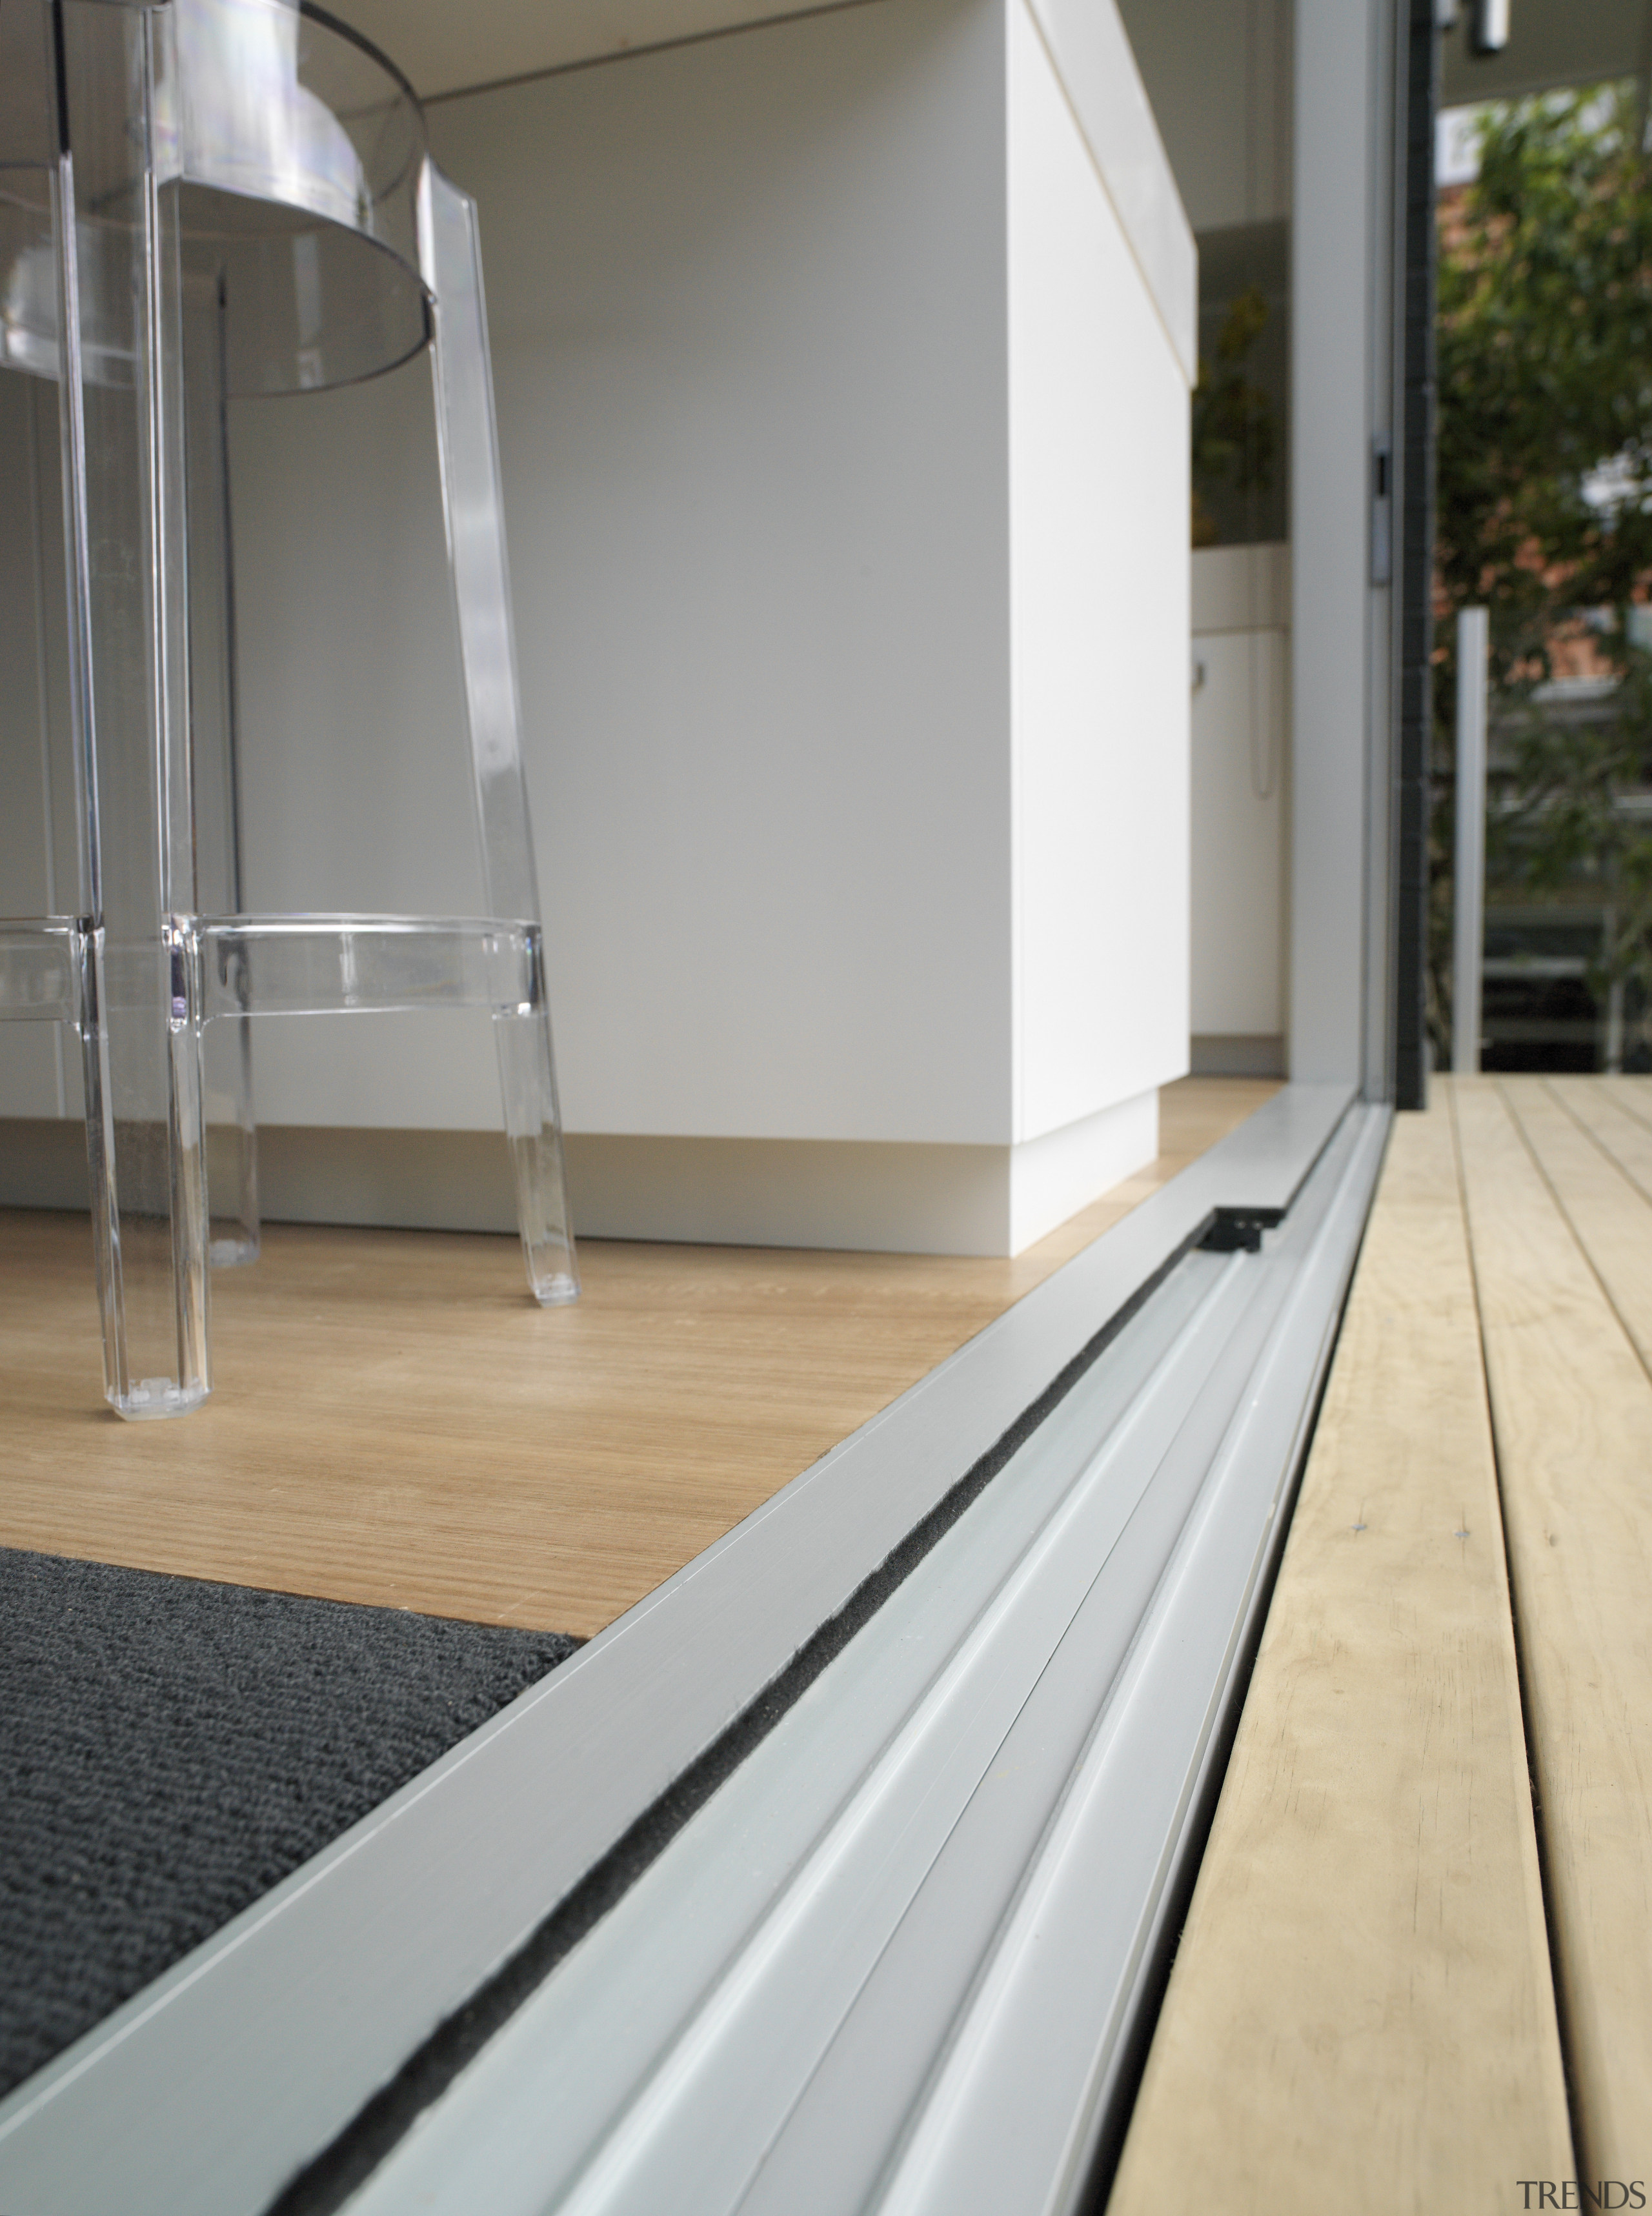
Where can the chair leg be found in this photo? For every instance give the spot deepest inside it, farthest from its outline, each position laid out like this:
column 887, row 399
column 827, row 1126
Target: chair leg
column 528, row 1081
column 141, row 1034
column 231, row 1133
column 473, row 505
column 121, row 418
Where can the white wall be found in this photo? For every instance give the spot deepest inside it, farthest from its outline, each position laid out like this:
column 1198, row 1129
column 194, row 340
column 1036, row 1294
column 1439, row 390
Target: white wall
column 747, row 307
column 38, row 1075
column 1099, row 569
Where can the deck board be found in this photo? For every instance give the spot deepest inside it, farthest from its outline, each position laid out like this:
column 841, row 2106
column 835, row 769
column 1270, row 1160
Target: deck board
column 1361, row 2015
column 394, row 1422
column 1608, row 1213
column 1611, row 1123
column 1632, row 1094
column 1572, row 1407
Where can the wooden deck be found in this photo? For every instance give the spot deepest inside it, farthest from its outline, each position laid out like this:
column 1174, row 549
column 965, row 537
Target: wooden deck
column 394, row 1422
column 1407, row 1942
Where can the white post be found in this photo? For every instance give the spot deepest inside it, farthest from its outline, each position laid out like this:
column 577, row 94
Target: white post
column 1473, row 643
column 1614, row 1056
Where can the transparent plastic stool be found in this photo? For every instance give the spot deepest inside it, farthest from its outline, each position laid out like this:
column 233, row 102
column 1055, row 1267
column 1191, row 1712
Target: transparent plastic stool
column 201, row 199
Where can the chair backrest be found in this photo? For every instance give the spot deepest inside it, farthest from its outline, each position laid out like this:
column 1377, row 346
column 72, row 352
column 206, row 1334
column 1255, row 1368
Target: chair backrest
column 299, row 153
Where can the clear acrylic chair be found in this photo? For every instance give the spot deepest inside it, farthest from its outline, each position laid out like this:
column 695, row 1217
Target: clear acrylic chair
column 201, row 199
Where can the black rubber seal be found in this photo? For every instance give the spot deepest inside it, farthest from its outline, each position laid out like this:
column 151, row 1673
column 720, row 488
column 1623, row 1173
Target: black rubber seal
column 323, row 2185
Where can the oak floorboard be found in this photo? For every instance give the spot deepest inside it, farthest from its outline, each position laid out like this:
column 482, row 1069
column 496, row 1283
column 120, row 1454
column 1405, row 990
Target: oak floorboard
column 394, row 1422
column 1572, row 1414
column 1360, row 2015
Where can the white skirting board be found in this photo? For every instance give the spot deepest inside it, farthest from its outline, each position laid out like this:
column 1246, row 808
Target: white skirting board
column 1053, row 1177
column 868, row 1196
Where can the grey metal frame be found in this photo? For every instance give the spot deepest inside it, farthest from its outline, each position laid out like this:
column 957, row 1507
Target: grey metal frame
column 897, row 1962
column 1468, row 885
column 1344, row 646
column 210, row 2089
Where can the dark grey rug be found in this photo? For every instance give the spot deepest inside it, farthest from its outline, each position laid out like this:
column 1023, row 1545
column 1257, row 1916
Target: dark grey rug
column 170, row 1749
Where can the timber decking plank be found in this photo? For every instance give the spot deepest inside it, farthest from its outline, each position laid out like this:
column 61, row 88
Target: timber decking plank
column 1572, row 1412
column 1614, row 1126
column 1611, row 1217
column 1360, row 2015
column 1632, row 1094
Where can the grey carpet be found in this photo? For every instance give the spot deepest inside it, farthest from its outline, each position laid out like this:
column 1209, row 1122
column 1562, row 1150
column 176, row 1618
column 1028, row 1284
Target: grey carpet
column 171, row 1749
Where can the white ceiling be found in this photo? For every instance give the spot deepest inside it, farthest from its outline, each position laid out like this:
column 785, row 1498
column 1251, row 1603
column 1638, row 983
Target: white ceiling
column 449, row 46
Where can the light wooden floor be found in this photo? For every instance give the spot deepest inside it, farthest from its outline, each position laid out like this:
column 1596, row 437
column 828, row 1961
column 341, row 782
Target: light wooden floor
column 393, row 1421
column 1362, row 2010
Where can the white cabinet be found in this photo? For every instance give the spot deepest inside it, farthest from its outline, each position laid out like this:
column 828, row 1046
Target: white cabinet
column 1240, row 798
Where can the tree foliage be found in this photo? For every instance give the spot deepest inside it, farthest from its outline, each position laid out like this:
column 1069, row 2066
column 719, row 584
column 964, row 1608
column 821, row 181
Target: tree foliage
column 1544, row 490
column 1545, row 369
